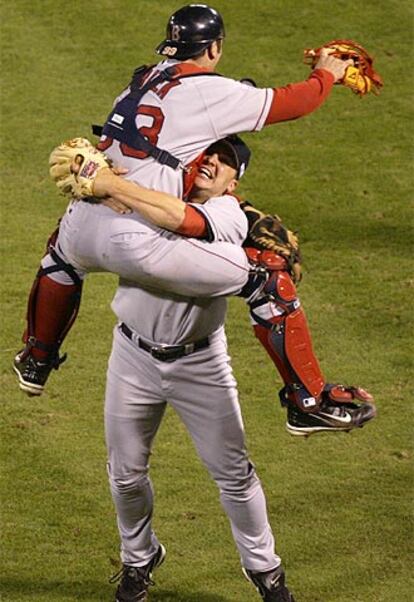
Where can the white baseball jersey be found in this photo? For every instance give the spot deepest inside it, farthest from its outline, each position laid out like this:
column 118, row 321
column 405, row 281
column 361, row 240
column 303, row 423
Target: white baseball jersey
column 170, row 319
column 185, row 120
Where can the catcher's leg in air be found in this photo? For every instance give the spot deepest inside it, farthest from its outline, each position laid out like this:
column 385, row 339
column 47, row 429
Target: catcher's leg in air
column 52, row 309
column 280, row 324
column 183, row 266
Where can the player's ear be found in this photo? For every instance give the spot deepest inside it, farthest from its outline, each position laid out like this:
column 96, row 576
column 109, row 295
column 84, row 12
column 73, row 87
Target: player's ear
column 214, row 50
column 232, row 185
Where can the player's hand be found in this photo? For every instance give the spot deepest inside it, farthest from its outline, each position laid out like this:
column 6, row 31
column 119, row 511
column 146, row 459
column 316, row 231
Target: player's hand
column 104, row 180
column 332, row 64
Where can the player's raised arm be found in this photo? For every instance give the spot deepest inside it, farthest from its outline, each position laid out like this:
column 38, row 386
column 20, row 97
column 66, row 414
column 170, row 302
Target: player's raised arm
column 297, row 100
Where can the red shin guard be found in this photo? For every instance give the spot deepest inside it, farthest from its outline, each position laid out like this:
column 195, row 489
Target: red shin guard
column 282, row 328
column 52, row 309
column 280, row 324
column 288, row 343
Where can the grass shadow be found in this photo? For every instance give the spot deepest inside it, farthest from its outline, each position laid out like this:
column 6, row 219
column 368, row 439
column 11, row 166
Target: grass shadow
column 90, row 591
column 177, row 596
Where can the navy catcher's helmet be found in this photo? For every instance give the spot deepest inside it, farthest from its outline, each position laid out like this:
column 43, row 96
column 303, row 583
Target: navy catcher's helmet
column 191, row 30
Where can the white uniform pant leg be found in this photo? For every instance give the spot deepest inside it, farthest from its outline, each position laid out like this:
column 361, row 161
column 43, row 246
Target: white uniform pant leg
column 196, row 268
column 132, row 417
column 61, row 276
column 83, row 231
column 93, row 238
column 203, row 392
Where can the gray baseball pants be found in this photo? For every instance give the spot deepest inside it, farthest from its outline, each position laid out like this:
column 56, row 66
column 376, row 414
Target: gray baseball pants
column 202, row 390
column 92, row 238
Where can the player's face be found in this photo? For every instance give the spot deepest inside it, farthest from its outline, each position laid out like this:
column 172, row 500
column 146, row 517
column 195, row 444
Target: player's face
column 216, row 174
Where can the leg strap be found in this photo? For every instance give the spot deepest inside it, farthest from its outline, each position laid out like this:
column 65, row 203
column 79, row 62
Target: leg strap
column 60, row 266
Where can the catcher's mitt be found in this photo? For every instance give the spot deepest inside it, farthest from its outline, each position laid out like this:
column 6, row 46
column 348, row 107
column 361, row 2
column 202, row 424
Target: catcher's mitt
column 360, row 77
column 267, row 232
column 89, row 161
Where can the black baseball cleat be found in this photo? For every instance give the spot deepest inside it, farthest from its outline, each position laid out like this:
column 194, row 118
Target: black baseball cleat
column 32, row 373
column 270, row 585
column 135, row 581
column 341, row 409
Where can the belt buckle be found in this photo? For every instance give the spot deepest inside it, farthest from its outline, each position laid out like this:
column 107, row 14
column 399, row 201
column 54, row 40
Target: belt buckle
column 160, row 352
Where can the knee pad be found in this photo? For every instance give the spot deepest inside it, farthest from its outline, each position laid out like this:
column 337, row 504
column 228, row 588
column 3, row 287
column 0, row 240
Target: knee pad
column 57, row 264
column 262, row 263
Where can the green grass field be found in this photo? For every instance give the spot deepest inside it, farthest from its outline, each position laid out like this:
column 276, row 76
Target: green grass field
column 341, row 506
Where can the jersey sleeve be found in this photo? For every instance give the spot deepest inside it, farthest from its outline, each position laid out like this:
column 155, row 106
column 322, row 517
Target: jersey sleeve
column 234, row 107
column 225, row 221
column 194, row 224
column 300, row 99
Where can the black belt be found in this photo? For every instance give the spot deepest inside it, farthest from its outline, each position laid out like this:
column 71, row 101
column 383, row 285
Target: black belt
column 165, row 353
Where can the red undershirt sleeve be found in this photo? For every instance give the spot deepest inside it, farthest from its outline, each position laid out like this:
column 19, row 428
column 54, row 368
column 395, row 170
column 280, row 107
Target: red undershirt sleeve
column 297, row 100
column 194, row 224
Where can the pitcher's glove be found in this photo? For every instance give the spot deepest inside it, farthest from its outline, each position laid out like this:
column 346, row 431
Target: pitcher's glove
column 89, row 162
column 360, row 77
column 267, row 232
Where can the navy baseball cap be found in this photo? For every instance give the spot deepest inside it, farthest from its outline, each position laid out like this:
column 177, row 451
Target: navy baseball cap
column 235, row 150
